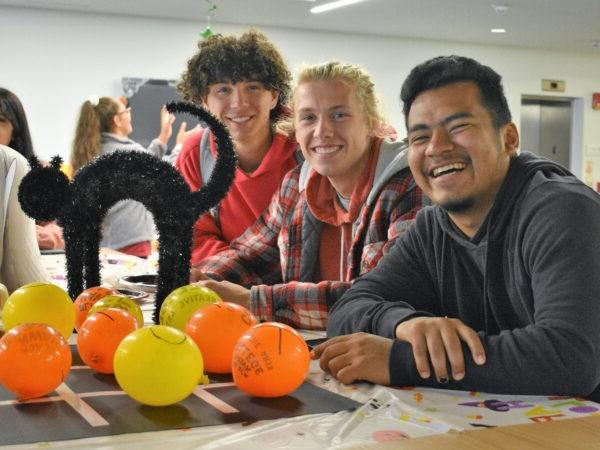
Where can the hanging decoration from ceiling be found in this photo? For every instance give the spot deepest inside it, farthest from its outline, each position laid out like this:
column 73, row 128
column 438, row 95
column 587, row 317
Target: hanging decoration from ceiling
column 208, row 32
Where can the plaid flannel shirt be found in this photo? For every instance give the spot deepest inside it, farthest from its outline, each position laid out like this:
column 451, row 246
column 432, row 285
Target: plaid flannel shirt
column 277, row 257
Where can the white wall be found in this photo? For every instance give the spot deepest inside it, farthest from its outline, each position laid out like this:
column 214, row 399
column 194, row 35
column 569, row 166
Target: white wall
column 54, row 60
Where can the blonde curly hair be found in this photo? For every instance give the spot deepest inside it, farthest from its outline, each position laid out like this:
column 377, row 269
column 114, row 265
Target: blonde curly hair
column 352, row 75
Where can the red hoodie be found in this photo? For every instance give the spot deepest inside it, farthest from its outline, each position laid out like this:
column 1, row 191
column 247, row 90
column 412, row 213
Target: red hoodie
column 336, row 236
column 248, row 197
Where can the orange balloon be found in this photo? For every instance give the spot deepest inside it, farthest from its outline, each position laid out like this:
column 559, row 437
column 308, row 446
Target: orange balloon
column 101, row 334
column 215, row 329
column 270, row 360
column 34, row 360
column 86, row 299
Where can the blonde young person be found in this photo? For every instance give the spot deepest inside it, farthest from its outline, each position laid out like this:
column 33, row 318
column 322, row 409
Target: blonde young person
column 332, row 218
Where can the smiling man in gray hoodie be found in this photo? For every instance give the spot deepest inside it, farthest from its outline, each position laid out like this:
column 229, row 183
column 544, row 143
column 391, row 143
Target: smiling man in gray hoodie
column 495, row 288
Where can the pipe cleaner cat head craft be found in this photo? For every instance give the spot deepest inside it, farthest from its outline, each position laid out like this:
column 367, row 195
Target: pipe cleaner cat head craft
column 80, row 206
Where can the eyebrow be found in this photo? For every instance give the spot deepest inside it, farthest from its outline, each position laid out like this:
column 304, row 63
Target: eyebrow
column 445, row 121
column 332, row 108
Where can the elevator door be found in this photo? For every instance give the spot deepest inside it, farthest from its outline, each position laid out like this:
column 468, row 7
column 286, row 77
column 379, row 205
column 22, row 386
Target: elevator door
column 546, row 128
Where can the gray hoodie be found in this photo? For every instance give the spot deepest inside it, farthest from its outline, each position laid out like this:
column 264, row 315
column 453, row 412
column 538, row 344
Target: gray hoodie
column 127, row 222
column 527, row 282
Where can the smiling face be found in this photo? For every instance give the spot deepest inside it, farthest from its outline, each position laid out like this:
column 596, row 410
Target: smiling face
column 122, row 120
column 243, row 107
column 457, row 156
column 332, row 130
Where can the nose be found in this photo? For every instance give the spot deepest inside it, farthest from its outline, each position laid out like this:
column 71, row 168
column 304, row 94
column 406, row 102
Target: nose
column 238, row 97
column 439, row 142
column 323, row 128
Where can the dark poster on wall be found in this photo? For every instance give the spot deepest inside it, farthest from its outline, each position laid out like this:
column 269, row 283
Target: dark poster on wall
column 145, row 97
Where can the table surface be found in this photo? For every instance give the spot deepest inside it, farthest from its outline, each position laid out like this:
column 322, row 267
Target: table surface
column 582, row 433
column 412, row 418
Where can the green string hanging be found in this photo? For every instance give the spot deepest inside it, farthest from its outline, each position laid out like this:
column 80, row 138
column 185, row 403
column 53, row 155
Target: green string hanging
column 208, row 32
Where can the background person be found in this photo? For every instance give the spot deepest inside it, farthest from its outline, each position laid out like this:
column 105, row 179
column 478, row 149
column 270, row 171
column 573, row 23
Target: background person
column 103, row 127
column 20, row 261
column 14, row 133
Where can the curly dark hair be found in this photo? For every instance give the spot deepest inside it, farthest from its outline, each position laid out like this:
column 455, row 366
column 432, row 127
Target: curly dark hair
column 444, row 70
column 251, row 57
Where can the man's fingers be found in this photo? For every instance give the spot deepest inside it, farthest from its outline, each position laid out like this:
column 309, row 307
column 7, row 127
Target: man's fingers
column 454, row 352
column 471, row 338
column 196, row 275
column 413, row 331
column 437, row 355
column 347, row 374
column 319, row 349
column 201, row 276
column 330, row 349
column 338, row 363
column 334, row 342
column 421, row 354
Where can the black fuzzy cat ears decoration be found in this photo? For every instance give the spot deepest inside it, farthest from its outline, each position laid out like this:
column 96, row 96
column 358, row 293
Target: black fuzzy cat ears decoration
column 80, row 206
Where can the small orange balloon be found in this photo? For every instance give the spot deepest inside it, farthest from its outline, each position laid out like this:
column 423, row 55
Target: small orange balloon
column 270, row 360
column 86, row 300
column 101, row 334
column 34, row 360
column 215, row 329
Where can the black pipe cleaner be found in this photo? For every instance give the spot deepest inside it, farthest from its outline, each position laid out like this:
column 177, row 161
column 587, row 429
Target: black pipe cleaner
column 80, row 206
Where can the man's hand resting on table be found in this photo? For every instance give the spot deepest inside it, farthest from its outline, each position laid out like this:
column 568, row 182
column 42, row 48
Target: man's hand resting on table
column 229, row 292
column 438, row 339
column 365, row 357
column 356, row 357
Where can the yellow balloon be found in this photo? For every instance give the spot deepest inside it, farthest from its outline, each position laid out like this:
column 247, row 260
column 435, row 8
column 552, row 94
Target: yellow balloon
column 158, row 365
column 180, row 304
column 120, row 302
column 40, row 303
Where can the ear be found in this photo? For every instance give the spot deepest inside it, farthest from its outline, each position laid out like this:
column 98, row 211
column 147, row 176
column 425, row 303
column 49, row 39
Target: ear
column 275, row 99
column 511, row 138
column 116, row 121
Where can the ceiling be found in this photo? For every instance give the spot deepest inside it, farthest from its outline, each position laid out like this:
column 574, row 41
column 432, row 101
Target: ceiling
column 571, row 25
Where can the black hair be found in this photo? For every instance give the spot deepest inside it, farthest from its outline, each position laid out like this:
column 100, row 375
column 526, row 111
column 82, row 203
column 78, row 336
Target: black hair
column 445, row 70
column 250, row 57
column 12, row 109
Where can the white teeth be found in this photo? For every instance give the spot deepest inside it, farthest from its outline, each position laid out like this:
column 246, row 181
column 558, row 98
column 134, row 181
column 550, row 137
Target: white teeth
column 440, row 170
column 239, row 119
column 325, row 150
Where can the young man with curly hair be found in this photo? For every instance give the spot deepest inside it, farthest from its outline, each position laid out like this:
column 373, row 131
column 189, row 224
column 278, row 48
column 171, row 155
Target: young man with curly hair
column 245, row 83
